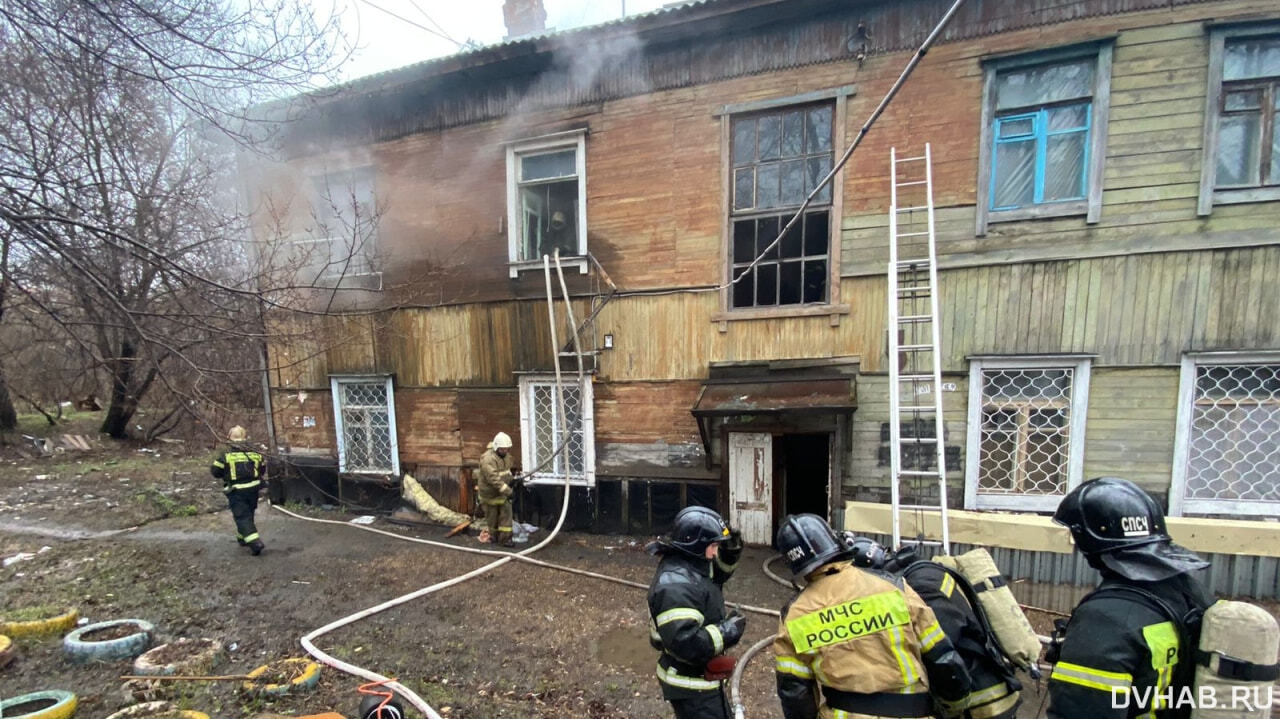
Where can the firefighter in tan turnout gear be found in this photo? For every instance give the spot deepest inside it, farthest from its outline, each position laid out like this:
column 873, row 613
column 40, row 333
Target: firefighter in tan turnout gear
column 857, row 642
column 688, row 623
column 494, row 486
column 241, row 469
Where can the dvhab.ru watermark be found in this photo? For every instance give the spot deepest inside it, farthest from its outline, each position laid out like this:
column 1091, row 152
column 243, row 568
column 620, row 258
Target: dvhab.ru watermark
column 1247, row 699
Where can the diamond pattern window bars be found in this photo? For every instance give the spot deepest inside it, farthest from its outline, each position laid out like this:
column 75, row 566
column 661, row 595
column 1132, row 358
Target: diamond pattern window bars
column 540, row 427
column 365, row 413
column 1026, row 431
column 1231, row 425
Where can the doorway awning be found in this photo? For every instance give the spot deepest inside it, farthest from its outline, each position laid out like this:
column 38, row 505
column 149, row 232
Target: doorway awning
column 759, row 396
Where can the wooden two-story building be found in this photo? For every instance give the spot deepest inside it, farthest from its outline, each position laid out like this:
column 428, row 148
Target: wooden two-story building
column 1107, row 184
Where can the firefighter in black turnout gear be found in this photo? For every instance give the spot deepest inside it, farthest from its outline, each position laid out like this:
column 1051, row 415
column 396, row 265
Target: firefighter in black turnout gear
column 687, row 619
column 1132, row 641
column 241, row 469
column 995, row 691
column 857, row 642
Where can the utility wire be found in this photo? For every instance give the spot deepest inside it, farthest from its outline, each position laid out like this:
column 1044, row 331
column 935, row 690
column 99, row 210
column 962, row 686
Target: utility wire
column 420, row 26
column 432, row 20
column 857, row 140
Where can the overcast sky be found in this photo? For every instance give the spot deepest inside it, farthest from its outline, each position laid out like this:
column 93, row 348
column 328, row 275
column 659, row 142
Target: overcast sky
column 384, row 41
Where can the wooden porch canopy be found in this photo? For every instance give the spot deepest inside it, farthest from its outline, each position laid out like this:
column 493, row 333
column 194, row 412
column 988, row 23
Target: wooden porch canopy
column 772, row 395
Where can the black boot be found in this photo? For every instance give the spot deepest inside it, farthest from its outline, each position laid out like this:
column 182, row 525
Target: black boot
column 256, row 547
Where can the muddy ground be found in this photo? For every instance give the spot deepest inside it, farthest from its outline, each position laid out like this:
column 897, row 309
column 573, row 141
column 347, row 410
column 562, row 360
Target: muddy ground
column 142, row 535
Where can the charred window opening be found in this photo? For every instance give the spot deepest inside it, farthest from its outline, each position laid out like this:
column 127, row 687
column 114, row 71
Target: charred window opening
column 778, row 158
column 546, row 199
column 548, row 204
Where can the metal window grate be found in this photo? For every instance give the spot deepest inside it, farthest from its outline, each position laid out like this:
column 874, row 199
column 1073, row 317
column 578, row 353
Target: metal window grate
column 546, row 428
column 1234, row 451
column 1024, row 447
column 366, row 427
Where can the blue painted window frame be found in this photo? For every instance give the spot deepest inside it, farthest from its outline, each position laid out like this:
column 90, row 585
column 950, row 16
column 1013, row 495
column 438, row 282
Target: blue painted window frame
column 1040, row 133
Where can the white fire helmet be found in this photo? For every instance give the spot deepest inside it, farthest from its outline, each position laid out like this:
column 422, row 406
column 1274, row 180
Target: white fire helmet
column 501, row 440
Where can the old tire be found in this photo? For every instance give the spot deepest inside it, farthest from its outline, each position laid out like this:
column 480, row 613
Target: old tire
column 58, row 705
column 200, row 655
column 59, row 624
column 168, row 710
column 306, row 681
column 7, row 651
column 80, row 650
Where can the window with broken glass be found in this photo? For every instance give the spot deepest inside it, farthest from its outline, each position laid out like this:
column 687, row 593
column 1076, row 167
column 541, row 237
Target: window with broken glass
column 340, row 245
column 1248, row 146
column 541, row 430
column 364, row 410
column 1230, row 436
column 778, row 158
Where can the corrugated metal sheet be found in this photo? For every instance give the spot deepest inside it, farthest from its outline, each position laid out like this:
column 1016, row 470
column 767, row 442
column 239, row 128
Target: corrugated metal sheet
column 1057, row 581
column 604, row 62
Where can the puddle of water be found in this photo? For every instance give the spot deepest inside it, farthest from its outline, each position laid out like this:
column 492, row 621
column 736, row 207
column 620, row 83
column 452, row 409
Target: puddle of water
column 628, row 647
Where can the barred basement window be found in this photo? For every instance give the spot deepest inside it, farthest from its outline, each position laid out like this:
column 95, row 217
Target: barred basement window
column 1229, row 439
column 540, row 430
column 365, row 417
column 1025, row 430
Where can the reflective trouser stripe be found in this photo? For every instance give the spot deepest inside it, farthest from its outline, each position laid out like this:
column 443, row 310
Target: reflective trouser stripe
column 982, row 703
column 793, row 666
column 669, row 676
column 242, row 485
column 1089, row 677
column 250, row 537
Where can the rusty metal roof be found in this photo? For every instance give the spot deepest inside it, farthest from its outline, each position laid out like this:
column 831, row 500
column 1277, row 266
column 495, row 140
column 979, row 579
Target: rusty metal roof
column 722, row 399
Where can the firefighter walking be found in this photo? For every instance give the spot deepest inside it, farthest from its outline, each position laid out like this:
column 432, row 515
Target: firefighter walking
column 241, row 470
column 494, row 486
column 687, row 619
column 1133, row 635
column 856, row 642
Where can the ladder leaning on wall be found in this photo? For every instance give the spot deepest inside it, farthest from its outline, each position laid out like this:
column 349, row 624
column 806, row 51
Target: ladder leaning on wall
column 917, row 457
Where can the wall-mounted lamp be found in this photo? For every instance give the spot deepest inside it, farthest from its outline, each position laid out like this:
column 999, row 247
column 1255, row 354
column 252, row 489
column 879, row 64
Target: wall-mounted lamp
column 608, row 342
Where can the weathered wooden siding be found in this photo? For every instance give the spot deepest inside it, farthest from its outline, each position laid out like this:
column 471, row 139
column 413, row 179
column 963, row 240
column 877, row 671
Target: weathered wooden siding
column 1130, row 426
column 1152, row 168
column 642, row 424
column 295, row 410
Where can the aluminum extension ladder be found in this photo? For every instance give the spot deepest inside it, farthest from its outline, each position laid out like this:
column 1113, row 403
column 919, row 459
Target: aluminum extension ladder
column 915, row 363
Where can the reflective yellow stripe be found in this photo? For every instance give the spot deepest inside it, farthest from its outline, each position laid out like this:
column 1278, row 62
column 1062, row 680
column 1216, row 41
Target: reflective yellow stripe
column 717, row 639
column 848, row 620
column 978, row 698
column 250, row 537
column 669, row 676
column 948, row 585
column 677, row 614
column 906, row 666
column 1089, row 677
column 244, row 485
column 931, row 637
column 653, row 632
column 793, row 666
column 1162, row 642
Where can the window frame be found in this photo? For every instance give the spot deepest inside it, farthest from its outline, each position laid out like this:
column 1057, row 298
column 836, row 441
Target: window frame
column 1179, row 505
column 1214, row 98
column 335, row 387
column 528, row 436
column 1095, row 149
column 572, row 139
column 1076, row 425
column 832, row 308
column 371, row 278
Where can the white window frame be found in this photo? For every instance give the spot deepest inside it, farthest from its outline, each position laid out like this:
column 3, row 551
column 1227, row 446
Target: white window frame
column 1209, row 194
column 1091, row 206
column 528, row 436
column 335, row 388
column 1076, row 430
column 339, row 277
column 576, row 139
column 1178, row 503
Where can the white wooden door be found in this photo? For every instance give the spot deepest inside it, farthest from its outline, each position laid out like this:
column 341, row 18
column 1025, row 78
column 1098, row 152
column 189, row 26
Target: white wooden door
column 751, row 485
